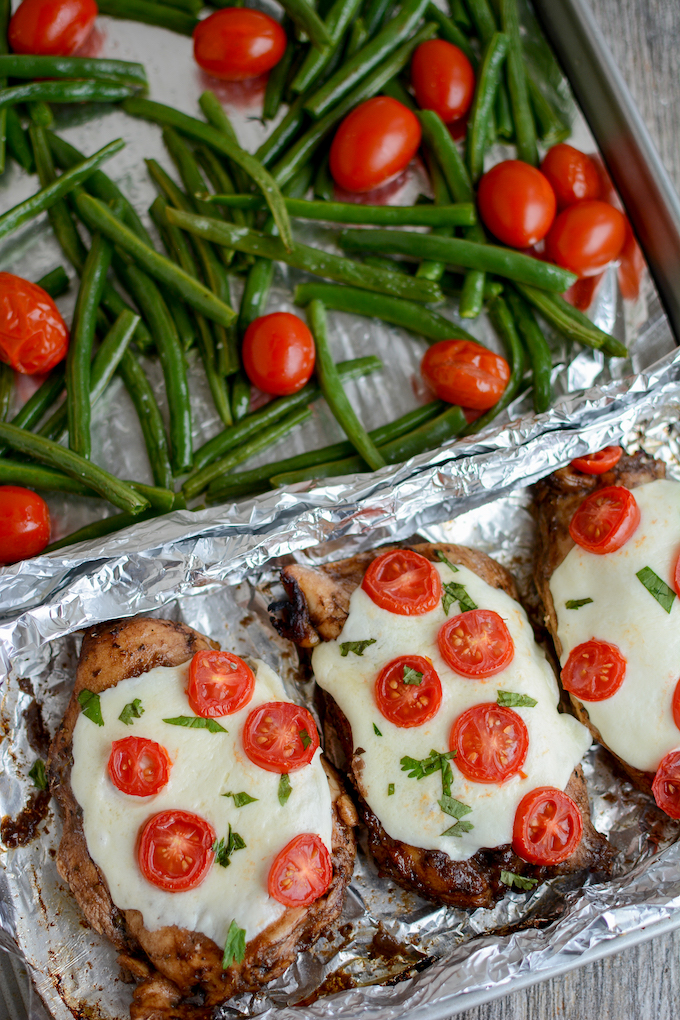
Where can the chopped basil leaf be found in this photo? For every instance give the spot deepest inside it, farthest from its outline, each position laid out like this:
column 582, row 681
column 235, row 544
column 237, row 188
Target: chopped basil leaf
column 376, row 731
column 412, row 676
column 195, row 722
column 570, row 604
column 458, row 829
column 443, row 559
column 235, row 947
column 656, row 587
column 241, row 799
column 510, row 699
column 453, row 807
column 132, row 711
column 510, row 878
column 390, row 789
column 454, row 592
column 358, row 647
column 37, row 774
column 305, row 738
column 285, row 789
column 91, row 706
column 419, row 768
column 223, row 849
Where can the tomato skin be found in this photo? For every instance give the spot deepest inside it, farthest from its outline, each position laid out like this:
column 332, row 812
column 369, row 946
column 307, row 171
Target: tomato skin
column 516, row 203
column 24, row 524
column 139, row 767
column 465, row 373
column 460, row 639
column 219, row 684
column 666, row 785
column 373, row 144
column 443, row 79
column 598, row 463
column 675, row 705
column 237, row 43
column 301, row 872
column 51, row 27
column 403, row 582
column 572, row 174
column 676, row 577
column 485, row 734
column 272, row 736
column 586, row 237
column 548, row 827
column 408, row 705
column 278, row 353
column 33, row 335
column 605, row 520
column 192, row 839
column 594, row 671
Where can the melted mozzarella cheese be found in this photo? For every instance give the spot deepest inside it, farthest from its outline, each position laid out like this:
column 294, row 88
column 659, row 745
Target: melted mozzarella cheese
column 637, row 721
column 204, row 766
column 412, row 813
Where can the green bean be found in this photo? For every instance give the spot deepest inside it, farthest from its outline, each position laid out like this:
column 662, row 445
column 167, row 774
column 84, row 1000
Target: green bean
column 308, row 21
column 6, row 389
column 214, row 113
column 474, row 284
column 17, row 141
column 551, row 128
column 5, row 14
column 324, row 185
column 337, row 21
column 428, row 269
column 189, row 171
column 190, row 6
column 482, row 18
column 60, row 218
column 525, row 129
column 142, row 396
column 64, row 92
column 461, row 214
column 501, row 318
column 160, row 499
column 460, row 15
column 383, row 262
column 573, row 323
column 41, row 401
column 446, row 153
column 283, row 134
column 357, row 38
column 450, row 31
column 35, row 476
column 488, row 79
column 182, row 319
column 54, row 283
column 219, row 178
column 107, row 526
column 396, row 90
column 276, row 82
column 374, row 15
column 504, row 125
column 149, row 14
column 120, row 72
column 540, row 356
column 240, row 395
column 488, row 258
column 41, row 113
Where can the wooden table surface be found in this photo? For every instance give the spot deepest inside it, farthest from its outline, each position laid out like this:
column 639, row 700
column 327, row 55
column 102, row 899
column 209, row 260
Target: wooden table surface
column 642, row 983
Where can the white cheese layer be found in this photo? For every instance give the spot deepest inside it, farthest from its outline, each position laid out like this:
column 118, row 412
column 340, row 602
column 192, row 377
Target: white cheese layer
column 556, row 742
column 205, row 766
column 637, row 721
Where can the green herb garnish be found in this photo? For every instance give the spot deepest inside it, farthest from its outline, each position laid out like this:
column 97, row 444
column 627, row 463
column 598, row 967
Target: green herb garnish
column 456, row 809
column 510, row 878
column 454, row 592
column 412, row 676
column 235, row 947
column 444, row 559
column 510, row 699
column 195, row 722
column 390, row 789
column 241, row 799
column 305, row 738
column 37, row 774
column 656, row 587
column 420, row 768
column 358, row 647
column 91, row 706
column 570, row 604
column 133, row 710
column 376, row 731
column 285, row 789
column 223, row 849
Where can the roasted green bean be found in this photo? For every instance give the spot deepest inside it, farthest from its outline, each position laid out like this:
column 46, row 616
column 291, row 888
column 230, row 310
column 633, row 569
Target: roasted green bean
column 574, row 324
column 488, row 79
column 150, row 419
column 120, row 72
column 540, row 356
column 338, row 19
column 150, row 13
column 460, row 214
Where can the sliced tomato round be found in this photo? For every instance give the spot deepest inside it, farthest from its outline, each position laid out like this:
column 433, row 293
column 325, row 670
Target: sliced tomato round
column 175, row 850
column 403, row 582
column 408, row 691
column 594, row 671
column 666, row 785
column 219, row 684
column 476, row 644
column 676, row 577
column 138, row 766
column 605, row 520
column 301, row 872
column 676, row 705
column 548, row 827
column 465, row 373
column 598, row 463
column 491, row 743
column 280, row 737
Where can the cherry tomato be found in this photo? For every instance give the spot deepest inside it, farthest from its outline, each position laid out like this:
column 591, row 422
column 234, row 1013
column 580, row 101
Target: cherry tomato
column 403, row 582
column 33, row 335
column 280, row 737
column 301, row 872
column 594, row 671
column 586, row 237
column 373, row 144
column 572, row 174
column 51, row 27
column 548, row 827
column 491, row 743
column 676, row 705
column 465, row 373
column 443, row 79
column 631, row 266
column 24, row 524
column 517, row 203
column 219, row 684
column 404, row 699
column 278, row 353
column 598, row 463
column 138, row 766
column 236, row 43
column 666, row 785
column 476, row 644
column 582, row 292
column 605, row 520
column 175, row 850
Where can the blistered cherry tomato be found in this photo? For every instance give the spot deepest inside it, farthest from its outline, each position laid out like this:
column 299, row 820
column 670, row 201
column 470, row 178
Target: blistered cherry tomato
column 465, row 373
column 408, row 691
column 491, row 743
column 301, row 872
column 33, row 335
column 586, row 237
column 219, row 684
column 238, row 43
column 476, row 644
column 403, row 582
column 605, row 520
column 280, row 737
column 517, row 203
column 24, row 524
column 278, row 353
column 175, row 850
column 443, row 79
column 51, row 27
column 373, row 144
column 138, row 766
column 594, row 671
column 548, row 827
column 598, row 463
column 573, row 175
column 666, row 785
